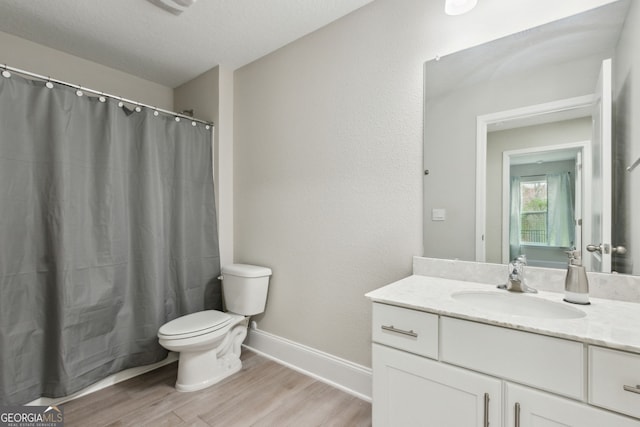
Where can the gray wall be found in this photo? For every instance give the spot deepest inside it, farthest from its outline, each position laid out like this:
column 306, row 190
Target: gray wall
column 327, row 174
column 210, row 95
column 39, row 59
column 199, row 95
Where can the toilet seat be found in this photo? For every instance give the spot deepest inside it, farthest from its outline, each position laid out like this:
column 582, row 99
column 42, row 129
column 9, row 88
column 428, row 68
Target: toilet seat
column 193, row 325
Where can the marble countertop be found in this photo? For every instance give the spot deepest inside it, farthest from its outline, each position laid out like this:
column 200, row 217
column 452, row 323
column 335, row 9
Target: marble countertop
column 607, row 323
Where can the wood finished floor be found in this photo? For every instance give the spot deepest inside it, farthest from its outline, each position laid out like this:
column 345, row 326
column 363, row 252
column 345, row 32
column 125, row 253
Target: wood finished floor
column 263, row 393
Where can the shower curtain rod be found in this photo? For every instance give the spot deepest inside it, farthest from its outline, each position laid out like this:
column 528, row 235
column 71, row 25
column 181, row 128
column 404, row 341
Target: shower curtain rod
column 95, row 92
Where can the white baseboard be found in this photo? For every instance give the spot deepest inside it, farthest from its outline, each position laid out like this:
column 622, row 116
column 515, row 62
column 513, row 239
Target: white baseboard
column 347, row 376
column 105, row 382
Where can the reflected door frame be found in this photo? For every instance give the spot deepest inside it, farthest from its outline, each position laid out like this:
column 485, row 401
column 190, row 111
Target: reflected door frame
column 483, row 122
column 582, row 200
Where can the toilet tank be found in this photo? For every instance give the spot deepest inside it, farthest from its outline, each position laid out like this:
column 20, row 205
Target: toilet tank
column 244, row 288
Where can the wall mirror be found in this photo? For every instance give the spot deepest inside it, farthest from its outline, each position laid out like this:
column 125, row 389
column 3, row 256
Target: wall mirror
column 530, row 146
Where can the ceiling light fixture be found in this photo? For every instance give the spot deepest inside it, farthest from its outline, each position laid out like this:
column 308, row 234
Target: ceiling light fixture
column 174, row 6
column 458, row 7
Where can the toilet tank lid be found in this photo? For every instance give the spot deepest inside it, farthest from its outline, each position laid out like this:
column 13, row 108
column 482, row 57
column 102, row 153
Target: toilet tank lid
column 246, row 270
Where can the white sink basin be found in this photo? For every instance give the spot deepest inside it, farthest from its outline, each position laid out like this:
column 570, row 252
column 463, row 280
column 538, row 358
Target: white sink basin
column 518, row 305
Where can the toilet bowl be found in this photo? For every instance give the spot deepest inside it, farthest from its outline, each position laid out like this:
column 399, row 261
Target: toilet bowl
column 209, row 342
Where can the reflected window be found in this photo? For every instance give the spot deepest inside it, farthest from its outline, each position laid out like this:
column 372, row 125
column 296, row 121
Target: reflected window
column 542, row 212
column 533, row 211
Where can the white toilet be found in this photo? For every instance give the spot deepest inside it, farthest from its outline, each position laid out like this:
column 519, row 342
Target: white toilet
column 209, row 341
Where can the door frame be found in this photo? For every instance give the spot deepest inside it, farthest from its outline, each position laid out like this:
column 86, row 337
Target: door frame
column 602, row 143
column 584, row 147
column 483, row 122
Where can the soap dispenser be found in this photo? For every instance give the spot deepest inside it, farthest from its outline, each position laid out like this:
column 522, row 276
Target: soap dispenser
column 576, row 284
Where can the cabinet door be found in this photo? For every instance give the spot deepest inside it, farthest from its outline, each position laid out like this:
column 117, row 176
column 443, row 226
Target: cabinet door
column 540, row 409
column 409, row 390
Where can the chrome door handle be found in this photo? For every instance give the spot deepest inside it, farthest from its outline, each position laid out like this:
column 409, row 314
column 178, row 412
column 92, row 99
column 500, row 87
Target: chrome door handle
column 486, row 410
column 632, row 389
column 391, row 328
column 599, row 248
column 603, row 247
column 620, row 250
column 517, row 424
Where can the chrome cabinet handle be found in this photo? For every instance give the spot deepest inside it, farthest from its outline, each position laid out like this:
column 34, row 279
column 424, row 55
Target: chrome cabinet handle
column 399, row 331
column 632, row 389
column 486, row 410
column 517, row 415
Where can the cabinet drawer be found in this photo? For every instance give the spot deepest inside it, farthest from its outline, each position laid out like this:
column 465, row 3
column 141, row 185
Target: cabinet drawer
column 410, row 330
column 609, row 372
column 551, row 364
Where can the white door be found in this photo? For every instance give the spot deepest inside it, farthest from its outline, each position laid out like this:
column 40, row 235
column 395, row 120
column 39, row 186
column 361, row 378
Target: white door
column 413, row 391
column 597, row 250
column 578, row 201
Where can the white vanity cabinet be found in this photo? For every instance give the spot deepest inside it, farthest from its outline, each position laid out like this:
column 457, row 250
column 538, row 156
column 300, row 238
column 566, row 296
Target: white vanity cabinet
column 411, row 389
column 435, row 370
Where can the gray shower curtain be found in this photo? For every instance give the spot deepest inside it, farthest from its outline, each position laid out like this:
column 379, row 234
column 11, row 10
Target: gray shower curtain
column 107, row 230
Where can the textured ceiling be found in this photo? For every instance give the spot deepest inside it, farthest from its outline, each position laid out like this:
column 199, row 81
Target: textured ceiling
column 141, row 39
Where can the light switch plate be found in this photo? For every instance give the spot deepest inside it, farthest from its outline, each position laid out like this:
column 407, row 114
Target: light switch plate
column 439, row 214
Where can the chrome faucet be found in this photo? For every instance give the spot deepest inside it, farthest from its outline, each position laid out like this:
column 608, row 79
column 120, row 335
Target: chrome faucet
column 516, row 281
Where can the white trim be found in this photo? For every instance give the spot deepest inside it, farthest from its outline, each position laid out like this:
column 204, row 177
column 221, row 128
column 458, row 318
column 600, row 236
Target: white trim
column 224, row 165
column 506, row 206
column 481, row 187
column 606, row 105
column 105, row 382
column 482, row 123
column 345, row 375
column 587, row 204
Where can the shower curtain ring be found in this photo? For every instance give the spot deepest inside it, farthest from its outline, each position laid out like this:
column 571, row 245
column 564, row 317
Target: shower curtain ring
column 102, row 98
column 6, row 72
column 48, row 84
